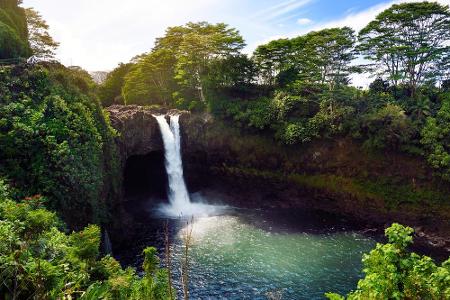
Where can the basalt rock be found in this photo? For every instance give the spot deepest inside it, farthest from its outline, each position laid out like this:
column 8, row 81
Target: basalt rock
column 138, row 131
column 334, row 175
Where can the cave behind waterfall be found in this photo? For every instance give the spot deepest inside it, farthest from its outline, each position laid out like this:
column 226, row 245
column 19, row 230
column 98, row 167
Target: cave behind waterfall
column 145, row 176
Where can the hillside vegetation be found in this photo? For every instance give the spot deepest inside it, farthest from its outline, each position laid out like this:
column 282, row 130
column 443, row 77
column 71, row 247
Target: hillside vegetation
column 58, row 159
column 298, row 90
column 13, row 30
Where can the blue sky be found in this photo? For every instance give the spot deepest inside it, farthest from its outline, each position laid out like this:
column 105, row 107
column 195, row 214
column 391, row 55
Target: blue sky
column 290, row 15
column 97, row 35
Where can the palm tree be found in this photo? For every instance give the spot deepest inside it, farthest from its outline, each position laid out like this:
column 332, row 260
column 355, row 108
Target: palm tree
column 420, row 108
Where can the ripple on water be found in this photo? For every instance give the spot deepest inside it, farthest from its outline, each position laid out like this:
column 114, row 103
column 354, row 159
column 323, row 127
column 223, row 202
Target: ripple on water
column 233, row 259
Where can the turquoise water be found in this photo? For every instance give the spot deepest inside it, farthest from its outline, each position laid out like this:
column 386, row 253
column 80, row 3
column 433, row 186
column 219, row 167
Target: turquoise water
column 242, row 257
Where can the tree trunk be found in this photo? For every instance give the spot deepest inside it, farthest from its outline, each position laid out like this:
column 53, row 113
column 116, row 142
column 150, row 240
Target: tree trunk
column 202, row 96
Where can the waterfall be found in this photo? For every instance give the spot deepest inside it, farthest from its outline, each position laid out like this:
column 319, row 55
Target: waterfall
column 178, row 194
column 179, row 201
column 107, row 246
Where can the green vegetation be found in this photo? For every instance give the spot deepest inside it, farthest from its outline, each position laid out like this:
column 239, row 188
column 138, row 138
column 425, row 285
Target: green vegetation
column 56, row 141
column 392, row 272
column 436, row 138
column 177, row 71
column 42, row 44
column 57, row 145
column 23, row 33
column 40, row 261
column 13, row 30
column 382, row 193
column 110, row 92
column 58, row 150
column 407, row 42
column 297, row 89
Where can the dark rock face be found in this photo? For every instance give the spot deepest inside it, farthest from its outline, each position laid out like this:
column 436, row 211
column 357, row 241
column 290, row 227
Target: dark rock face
column 141, row 149
column 138, row 130
column 258, row 172
column 334, row 175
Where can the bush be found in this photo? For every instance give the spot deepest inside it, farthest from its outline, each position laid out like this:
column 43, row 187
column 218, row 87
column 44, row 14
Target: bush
column 387, row 127
column 56, row 141
column 436, row 139
column 394, row 273
column 38, row 260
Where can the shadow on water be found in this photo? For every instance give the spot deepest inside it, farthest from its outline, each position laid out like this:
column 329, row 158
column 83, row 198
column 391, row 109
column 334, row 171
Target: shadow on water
column 236, row 253
column 245, row 254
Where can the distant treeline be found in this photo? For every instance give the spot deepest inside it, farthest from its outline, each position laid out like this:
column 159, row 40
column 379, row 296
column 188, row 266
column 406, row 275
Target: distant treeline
column 299, row 89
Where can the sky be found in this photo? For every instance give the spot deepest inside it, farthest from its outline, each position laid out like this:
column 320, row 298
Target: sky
column 99, row 34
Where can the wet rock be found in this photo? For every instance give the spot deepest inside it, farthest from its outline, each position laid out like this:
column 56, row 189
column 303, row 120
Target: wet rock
column 138, row 131
column 260, row 172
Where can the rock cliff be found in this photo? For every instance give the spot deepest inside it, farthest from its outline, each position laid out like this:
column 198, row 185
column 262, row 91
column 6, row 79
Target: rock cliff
column 334, row 175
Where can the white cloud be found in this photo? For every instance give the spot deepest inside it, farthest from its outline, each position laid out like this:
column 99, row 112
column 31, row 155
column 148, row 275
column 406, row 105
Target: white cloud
column 354, row 20
column 304, row 21
column 281, row 9
column 99, row 34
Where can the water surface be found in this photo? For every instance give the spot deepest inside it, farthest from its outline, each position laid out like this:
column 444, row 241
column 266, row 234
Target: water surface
column 249, row 254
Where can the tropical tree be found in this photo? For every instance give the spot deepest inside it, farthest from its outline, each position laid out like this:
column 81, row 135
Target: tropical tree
column 42, row 44
column 329, row 53
column 195, row 46
column 321, row 57
column 331, row 50
column 420, row 108
column 110, row 91
column 272, row 59
column 379, row 86
column 151, row 80
column 408, row 41
column 234, row 71
column 183, row 63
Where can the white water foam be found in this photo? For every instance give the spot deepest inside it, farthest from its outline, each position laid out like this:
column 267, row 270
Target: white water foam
column 179, row 201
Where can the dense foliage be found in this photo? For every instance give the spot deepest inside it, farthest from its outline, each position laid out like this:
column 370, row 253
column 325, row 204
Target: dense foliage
column 436, row 138
column 297, row 89
column 177, row 70
column 13, row 30
column 392, row 272
column 40, row 261
column 55, row 140
column 110, row 92
column 57, row 144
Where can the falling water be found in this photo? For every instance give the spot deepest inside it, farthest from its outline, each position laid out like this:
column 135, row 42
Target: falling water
column 107, row 248
column 178, row 195
column 179, row 201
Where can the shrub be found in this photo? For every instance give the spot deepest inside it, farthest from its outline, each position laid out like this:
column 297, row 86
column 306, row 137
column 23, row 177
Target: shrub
column 387, row 127
column 394, row 273
column 436, row 139
column 56, row 141
column 39, row 260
